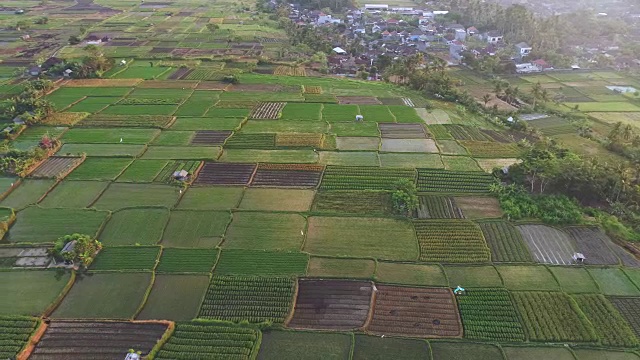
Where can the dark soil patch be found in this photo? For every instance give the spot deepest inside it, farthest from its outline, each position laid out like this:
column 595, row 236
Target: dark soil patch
column 210, row 137
column 331, row 304
column 225, row 174
column 402, row 131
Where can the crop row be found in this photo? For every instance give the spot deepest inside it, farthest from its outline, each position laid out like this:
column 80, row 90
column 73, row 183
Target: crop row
column 553, row 316
column 289, row 71
column 491, row 149
column 609, row 325
column 251, row 141
column 255, row 299
column 14, row 334
column 462, row 132
column 126, row 258
column 505, row 242
column 363, row 178
column 187, row 260
column 312, row 89
column 451, row 241
column 297, row 167
column 489, row 314
column 433, row 180
column 105, row 120
column 209, row 341
column 438, row 207
column 150, row 101
column 439, row 132
column 166, row 174
column 298, row 140
column 267, row 110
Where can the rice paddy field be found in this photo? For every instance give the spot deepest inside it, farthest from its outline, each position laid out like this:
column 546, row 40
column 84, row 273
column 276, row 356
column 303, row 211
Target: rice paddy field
column 255, row 220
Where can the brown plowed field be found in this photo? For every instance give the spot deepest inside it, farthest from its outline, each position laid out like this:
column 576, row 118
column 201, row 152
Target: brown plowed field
column 225, row 174
column 331, row 304
column 210, row 137
column 55, row 166
column 402, row 131
column 594, row 244
column 69, row 340
column 410, row 311
column 287, row 176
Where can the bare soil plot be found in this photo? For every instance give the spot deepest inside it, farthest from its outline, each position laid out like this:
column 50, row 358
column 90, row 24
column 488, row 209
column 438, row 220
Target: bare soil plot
column 68, row 340
column 210, row 137
column 402, row 131
column 210, row 85
column 497, row 136
column 479, row 207
column 56, row 167
column 255, row 87
column 287, row 175
column 358, row 100
column 357, row 143
column 225, row 174
column 409, row 145
column 548, row 245
column 331, row 304
column 423, row 312
column 592, row 242
column 267, row 110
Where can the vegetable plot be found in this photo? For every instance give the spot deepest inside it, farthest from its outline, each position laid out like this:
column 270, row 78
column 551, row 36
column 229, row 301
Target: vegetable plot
column 552, row 316
column 610, row 327
column 198, row 340
column 432, row 180
column 489, row 314
column 363, row 178
column 451, row 241
column 245, row 298
column 14, row 334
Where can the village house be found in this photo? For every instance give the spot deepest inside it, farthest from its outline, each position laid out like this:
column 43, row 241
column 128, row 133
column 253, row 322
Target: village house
column 523, row 50
column 493, row 37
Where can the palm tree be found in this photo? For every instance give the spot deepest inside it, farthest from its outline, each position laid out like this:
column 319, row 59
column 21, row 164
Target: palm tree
column 536, row 92
column 486, row 98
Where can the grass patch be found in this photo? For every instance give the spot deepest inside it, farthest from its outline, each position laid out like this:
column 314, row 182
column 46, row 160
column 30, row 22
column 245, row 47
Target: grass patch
column 411, row 274
column 200, row 198
column 109, row 136
column 269, row 156
column 178, row 260
column 175, row 297
column 30, row 292
column 74, row 194
column 38, row 225
column 99, row 169
column 404, row 161
column 126, row 258
column 276, row 199
column 192, row 124
column 527, row 278
column 195, row 228
column 341, row 268
column 460, row 163
column 101, row 295
column 174, row 138
column 574, row 280
column 142, row 171
column 290, row 345
column 182, row 152
column 27, row 193
column 262, row 263
column 537, row 353
column 135, row 226
column 264, row 231
column 120, row 195
column 464, row 351
column 353, row 202
column 360, row 158
column 473, row 276
column 377, row 348
column 355, row 129
column 613, row 281
column 117, row 150
column 361, row 237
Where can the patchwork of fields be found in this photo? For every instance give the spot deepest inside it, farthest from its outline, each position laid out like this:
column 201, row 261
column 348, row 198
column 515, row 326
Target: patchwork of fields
column 255, row 220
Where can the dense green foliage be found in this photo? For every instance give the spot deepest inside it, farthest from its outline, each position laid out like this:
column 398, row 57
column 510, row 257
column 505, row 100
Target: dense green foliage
column 253, row 299
column 82, row 251
column 489, row 314
column 518, row 204
column 405, row 197
column 553, row 316
column 14, row 334
column 200, row 340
